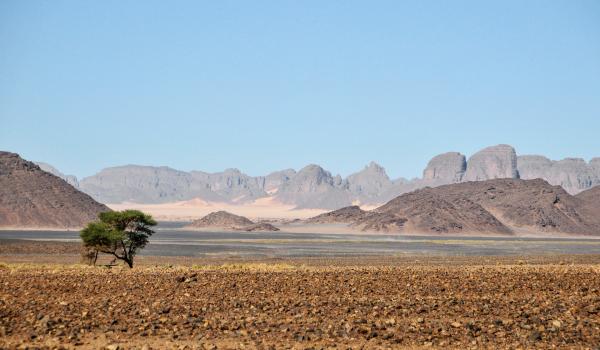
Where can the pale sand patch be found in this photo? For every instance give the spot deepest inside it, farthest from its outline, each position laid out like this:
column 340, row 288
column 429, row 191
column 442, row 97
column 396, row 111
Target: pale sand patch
column 261, row 209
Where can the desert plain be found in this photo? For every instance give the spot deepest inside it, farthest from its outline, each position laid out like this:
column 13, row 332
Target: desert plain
column 49, row 301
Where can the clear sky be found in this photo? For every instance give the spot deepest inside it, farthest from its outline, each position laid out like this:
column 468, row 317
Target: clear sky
column 266, row 85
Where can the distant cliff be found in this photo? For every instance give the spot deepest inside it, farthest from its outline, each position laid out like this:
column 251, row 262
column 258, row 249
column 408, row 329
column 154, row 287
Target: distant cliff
column 315, row 187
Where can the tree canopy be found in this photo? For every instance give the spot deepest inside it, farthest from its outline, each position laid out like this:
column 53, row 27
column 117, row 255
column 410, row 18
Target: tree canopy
column 119, row 233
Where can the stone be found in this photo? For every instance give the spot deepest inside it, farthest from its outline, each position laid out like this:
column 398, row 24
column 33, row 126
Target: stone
column 314, row 187
column 369, row 184
column 446, row 168
column 495, row 162
column 572, row 174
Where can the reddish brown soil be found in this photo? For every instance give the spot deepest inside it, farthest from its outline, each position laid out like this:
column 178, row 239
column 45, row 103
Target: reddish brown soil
column 507, row 304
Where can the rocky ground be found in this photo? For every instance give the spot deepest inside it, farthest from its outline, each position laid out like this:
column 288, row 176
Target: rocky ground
column 505, row 302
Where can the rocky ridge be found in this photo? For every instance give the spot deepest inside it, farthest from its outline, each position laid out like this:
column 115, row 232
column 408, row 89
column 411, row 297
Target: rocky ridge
column 573, row 174
column 315, row 187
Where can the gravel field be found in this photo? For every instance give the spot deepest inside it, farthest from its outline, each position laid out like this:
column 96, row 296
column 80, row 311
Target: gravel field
column 467, row 302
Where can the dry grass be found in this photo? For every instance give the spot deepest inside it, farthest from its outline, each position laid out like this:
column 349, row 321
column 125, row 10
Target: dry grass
column 250, row 267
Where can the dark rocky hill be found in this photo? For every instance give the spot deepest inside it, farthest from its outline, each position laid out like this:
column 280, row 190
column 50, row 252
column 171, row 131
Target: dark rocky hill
column 427, row 211
column 259, row 227
column 344, row 215
column 494, row 206
column 221, row 219
column 31, row 197
column 590, row 200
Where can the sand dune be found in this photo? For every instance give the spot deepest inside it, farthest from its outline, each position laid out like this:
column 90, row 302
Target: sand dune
column 263, row 208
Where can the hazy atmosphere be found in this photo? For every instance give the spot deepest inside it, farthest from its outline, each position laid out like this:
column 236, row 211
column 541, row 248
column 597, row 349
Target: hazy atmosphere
column 263, row 86
column 370, row 175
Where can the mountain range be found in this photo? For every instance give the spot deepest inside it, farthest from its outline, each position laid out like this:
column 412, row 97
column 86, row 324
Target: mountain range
column 315, row 187
column 31, row 197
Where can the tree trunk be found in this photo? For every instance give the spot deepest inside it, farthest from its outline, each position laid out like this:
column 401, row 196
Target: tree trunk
column 89, row 255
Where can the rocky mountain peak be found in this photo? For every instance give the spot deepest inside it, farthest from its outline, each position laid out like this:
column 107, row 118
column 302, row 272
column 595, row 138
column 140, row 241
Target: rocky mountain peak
column 10, row 162
column 495, row 162
column 274, row 180
column 447, row 167
column 312, row 176
column 374, row 167
column 370, row 183
column 314, row 187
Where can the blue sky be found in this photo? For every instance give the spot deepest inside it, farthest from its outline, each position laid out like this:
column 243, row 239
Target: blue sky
column 267, row 85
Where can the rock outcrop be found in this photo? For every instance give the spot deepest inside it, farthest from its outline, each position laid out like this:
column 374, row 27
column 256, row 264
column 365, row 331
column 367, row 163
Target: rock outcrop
column 147, row 184
column 31, row 197
column 345, row 215
column 313, row 187
column 534, row 167
column 274, row 180
column 496, row 162
column 232, row 185
column 446, row 168
column 369, row 184
column 573, row 174
column 259, row 227
column 221, row 219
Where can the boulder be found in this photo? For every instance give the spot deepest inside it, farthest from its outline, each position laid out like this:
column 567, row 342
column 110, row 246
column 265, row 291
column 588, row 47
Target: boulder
column 495, row 162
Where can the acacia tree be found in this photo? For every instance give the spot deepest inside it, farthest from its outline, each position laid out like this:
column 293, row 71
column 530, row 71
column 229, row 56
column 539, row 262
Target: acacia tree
column 119, row 233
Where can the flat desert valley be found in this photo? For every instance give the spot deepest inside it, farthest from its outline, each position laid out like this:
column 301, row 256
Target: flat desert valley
column 272, row 290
